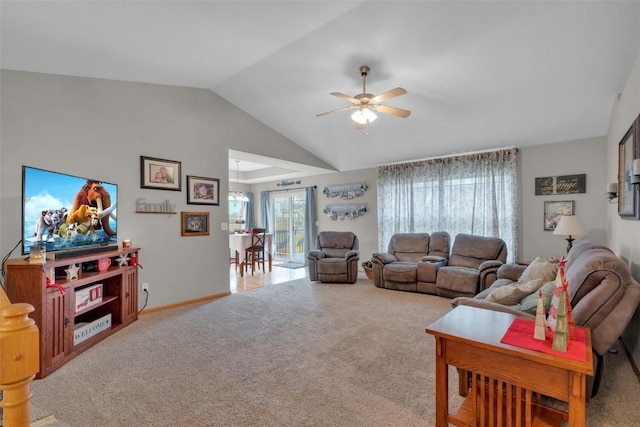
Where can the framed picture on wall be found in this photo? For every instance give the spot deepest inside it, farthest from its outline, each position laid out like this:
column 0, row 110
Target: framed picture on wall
column 203, row 191
column 555, row 210
column 628, row 150
column 194, row 224
column 160, row 174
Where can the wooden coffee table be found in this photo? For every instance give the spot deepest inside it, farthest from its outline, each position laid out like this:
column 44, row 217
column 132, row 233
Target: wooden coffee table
column 503, row 384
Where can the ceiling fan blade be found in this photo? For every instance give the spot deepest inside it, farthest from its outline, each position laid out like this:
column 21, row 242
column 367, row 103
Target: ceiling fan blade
column 388, row 95
column 346, row 97
column 335, row 111
column 399, row 112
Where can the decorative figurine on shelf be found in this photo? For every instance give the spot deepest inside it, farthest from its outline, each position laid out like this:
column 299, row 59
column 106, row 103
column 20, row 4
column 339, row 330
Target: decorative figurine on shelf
column 561, row 281
column 560, row 334
column 72, row 272
column 571, row 324
column 134, row 261
column 123, row 260
column 540, row 332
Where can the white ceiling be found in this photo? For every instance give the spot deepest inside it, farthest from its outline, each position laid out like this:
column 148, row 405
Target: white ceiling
column 479, row 75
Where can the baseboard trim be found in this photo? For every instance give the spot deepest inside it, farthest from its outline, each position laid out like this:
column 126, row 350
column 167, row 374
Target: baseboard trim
column 183, row 303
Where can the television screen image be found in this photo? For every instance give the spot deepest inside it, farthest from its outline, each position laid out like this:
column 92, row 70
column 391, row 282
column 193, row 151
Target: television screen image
column 64, row 212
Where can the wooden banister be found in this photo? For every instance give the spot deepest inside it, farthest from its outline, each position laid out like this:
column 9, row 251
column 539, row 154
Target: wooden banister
column 19, row 360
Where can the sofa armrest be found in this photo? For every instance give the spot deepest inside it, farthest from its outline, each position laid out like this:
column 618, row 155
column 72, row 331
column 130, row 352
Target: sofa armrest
column 511, row 271
column 352, row 255
column 383, row 258
column 488, row 274
column 316, row 254
column 489, row 305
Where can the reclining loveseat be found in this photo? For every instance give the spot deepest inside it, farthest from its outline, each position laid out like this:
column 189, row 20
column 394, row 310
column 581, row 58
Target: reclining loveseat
column 411, row 261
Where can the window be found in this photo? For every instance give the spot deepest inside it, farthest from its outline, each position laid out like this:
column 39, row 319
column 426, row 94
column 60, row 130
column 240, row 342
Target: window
column 474, row 194
column 237, row 213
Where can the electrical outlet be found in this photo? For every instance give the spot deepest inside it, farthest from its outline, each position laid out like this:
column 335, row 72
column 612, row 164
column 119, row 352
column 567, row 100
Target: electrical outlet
column 145, row 287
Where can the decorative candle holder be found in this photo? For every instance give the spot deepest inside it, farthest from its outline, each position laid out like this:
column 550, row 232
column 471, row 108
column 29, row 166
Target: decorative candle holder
column 37, row 254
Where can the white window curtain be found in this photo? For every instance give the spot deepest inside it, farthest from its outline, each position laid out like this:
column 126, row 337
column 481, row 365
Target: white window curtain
column 473, row 194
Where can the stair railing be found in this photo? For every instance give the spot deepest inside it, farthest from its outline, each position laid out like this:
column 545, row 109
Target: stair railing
column 19, row 361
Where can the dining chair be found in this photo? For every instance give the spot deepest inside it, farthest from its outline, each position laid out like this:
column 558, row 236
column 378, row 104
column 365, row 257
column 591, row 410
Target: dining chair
column 255, row 253
column 234, row 258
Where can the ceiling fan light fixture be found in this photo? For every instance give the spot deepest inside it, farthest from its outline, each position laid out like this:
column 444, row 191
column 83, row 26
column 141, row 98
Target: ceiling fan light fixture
column 366, row 104
column 364, row 116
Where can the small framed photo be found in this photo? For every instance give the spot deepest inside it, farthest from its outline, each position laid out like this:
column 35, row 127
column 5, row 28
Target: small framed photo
column 194, row 224
column 160, row 174
column 203, row 191
column 553, row 211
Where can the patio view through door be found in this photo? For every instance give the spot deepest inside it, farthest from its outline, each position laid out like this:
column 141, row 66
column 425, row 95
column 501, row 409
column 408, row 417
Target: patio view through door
column 288, row 226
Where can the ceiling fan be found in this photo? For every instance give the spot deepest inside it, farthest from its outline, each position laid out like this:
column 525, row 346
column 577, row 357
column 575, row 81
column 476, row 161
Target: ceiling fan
column 366, row 104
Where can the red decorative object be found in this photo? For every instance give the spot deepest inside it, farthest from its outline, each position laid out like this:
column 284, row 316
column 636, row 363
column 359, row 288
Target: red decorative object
column 520, row 334
column 134, row 261
column 54, row 285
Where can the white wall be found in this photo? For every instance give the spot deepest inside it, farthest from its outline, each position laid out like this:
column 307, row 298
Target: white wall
column 624, row 235
column 99, row 129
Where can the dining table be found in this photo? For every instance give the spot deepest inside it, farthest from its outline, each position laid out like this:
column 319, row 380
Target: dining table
column 241, row 241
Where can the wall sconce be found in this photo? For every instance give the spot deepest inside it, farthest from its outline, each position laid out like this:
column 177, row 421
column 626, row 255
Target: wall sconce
column 635, row 174
column 569, row 226
column 612, row 192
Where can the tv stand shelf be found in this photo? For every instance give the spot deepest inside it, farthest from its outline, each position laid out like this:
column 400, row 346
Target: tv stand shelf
column 55, row 312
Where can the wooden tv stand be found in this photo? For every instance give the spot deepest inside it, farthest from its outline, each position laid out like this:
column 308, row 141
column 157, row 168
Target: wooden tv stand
column 55, row 312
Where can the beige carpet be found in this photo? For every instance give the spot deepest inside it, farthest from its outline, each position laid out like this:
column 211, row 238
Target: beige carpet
column 294, row 354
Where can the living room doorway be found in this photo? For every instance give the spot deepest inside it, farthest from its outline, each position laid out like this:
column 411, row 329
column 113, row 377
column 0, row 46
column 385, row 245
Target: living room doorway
column 288, row 215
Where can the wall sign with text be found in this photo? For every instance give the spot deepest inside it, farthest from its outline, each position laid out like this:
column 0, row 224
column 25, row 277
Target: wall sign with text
column 566, row 184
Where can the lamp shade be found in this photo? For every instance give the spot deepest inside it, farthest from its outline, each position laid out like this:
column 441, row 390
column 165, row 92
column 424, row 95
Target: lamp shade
column 569, row 226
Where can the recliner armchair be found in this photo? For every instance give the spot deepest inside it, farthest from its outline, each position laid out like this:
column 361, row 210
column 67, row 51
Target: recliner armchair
column 472, row 265
column 411, row 261
column 335, row 258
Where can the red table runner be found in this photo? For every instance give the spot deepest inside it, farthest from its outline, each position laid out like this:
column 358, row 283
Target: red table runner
column 520, row 334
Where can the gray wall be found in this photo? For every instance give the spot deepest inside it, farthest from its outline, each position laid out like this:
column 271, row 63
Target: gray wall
column 99, row 129
column 565, row 158
column 624, row 235
column 365, row 227
column 535, row 161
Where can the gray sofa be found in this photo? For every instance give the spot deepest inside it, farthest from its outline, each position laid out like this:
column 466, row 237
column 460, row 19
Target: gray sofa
column 603, row 295
column 411, row 261
column 335, row 258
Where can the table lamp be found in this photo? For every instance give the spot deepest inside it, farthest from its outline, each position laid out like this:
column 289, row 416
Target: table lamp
column 569, row 226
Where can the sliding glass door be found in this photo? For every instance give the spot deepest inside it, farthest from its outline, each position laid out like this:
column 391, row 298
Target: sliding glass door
column 287, row 213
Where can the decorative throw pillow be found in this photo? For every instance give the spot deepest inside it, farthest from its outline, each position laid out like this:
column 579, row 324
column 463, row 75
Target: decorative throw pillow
column 539, row 269
column 512, row 294
column 529, row 304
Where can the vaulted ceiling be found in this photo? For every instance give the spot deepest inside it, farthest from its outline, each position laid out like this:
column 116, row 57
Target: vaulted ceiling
column 479, row 75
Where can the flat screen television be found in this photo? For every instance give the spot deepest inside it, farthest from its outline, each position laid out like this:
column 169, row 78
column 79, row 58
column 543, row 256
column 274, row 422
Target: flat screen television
column 67, row 213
